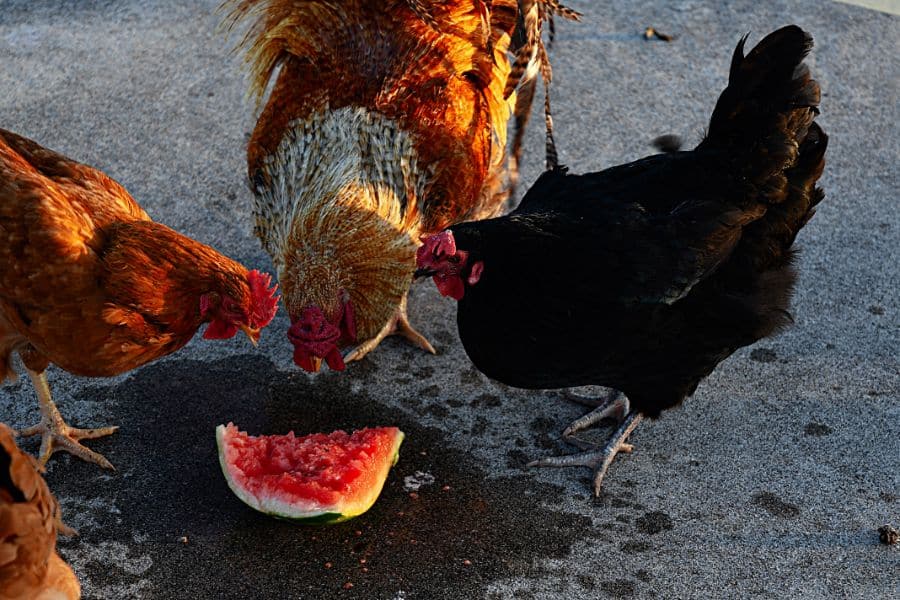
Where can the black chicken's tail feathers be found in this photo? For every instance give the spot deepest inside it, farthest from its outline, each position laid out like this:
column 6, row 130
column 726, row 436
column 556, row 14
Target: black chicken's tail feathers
column 764, row 125
column 764, row 115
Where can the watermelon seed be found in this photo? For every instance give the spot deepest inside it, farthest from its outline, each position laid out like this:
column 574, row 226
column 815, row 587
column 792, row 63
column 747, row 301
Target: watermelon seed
column 467, row 562
column 446, row 488
column 183, row 539
column 365, row 570
column 362, row 561
column 357, row 533
column 413, row 542
column 328, row 565
column 414, row 495
column 348, row 586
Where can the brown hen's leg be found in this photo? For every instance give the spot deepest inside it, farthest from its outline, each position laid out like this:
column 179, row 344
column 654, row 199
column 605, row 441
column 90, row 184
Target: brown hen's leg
column 56, row 434
column 398, row 325
column 598, row 459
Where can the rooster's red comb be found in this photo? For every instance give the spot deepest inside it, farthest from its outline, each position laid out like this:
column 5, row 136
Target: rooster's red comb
column 263, row 298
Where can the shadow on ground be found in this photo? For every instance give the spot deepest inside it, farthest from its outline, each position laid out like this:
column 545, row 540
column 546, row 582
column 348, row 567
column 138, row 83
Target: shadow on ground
column 447, row 542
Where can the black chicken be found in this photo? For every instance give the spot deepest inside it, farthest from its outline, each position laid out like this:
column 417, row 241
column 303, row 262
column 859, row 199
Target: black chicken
column 645, row 276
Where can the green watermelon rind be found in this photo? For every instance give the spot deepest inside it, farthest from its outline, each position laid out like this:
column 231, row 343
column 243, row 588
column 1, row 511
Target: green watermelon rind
column 294, row 511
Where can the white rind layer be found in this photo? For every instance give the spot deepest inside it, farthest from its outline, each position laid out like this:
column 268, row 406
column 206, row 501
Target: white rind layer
column 298, row 509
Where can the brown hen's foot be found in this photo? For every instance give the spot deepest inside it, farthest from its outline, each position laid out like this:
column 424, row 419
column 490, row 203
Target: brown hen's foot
column 57, row 435
column 598, row 460
column 398, row 325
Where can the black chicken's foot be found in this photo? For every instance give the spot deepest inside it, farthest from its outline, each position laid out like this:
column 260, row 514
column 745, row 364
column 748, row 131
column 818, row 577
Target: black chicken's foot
column 598, row 460
column 592, row 401
column 616, row 406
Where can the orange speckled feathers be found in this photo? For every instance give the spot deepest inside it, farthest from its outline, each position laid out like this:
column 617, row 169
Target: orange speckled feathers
column 29, row 520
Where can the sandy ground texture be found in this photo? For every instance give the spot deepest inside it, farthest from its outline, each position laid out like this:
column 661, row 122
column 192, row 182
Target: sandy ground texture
column 769, row 483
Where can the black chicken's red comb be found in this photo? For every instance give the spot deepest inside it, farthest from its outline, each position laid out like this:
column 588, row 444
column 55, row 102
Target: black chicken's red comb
column 435, row 246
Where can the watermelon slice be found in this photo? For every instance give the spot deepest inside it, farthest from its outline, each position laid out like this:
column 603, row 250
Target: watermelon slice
column 316, row 478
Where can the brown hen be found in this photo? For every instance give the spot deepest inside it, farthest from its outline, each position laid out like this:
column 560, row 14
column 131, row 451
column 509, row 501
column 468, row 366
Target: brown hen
column 30, row 568
column 90, row 283
column 387, row 120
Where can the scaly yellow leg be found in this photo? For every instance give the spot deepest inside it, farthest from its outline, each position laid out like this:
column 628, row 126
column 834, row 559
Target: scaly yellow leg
column 56, row 434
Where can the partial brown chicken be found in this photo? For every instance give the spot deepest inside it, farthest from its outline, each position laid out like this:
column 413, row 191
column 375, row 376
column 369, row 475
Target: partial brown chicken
column 30, row 568
column 387, row 120
column 88, row 282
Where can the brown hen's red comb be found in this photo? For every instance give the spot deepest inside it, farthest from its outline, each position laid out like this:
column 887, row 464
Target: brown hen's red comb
column 262, row 295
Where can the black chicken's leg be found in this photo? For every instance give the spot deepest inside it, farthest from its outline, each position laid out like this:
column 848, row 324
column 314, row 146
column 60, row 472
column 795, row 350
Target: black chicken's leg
column 600, row 459
column 614, row 406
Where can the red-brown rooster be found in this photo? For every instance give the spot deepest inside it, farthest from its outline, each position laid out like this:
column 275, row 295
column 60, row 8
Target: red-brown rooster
column 387, row 120
column 645, row 276
column 88, row 282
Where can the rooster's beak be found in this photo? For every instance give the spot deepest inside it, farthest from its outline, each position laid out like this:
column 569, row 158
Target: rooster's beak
column 253, row 334
column 423, row 272
column 316, row 363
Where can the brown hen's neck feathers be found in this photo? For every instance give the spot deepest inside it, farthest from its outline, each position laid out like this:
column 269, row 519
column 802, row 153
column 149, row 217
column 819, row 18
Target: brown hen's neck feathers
column 163, row 274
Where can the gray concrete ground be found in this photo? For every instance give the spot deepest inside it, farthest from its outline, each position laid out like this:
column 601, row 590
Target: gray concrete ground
column 769, row 482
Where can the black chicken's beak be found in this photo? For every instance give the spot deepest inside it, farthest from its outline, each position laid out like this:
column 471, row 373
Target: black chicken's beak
column 424, row 272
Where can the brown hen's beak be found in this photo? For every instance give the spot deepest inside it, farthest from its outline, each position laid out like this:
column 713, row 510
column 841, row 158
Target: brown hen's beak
column 316, row 363
column 253, row 334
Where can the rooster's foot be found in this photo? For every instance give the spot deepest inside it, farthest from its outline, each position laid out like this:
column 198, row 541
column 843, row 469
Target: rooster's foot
column 598, row 460
column 56, row 434
column 398, row 325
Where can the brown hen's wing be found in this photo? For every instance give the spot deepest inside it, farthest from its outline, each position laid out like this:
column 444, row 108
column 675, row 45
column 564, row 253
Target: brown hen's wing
column 51, row 209
column 29, row 520
column 89, row 189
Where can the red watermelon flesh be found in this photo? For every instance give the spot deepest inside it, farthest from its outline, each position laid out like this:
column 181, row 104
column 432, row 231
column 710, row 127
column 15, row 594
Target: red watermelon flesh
column 318, row 477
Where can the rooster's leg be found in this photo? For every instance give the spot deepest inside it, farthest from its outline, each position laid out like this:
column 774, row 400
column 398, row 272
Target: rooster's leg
column 598, row 460
column 56, row 434
column 398, row 325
